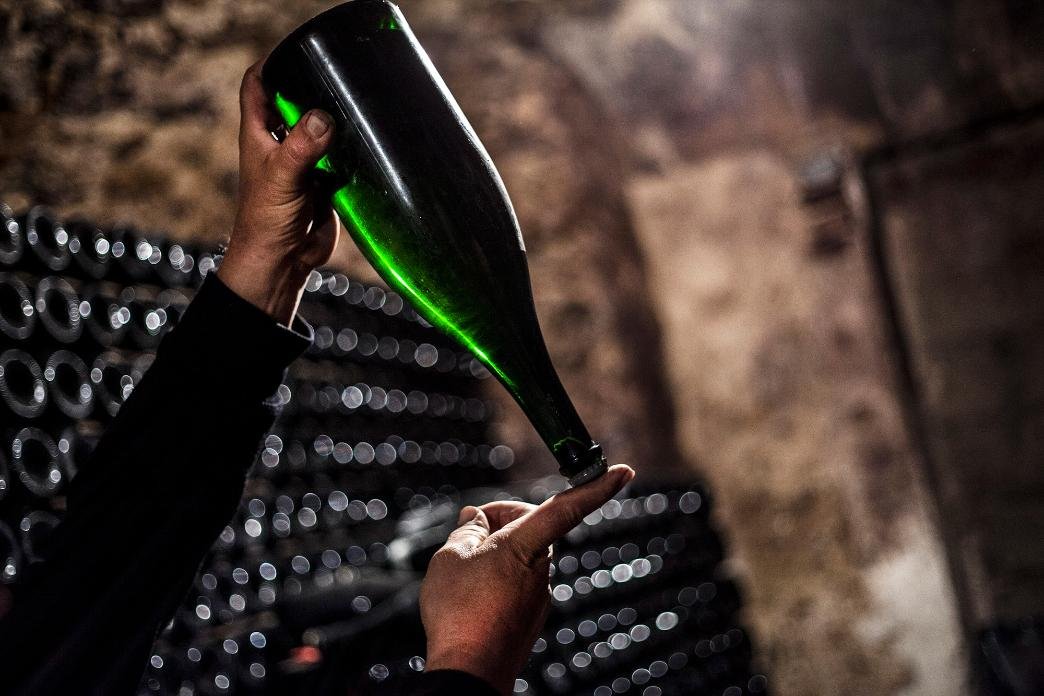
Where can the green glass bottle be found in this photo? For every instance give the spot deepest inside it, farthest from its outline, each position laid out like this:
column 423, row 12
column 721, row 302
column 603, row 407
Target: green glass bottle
column 423, row 201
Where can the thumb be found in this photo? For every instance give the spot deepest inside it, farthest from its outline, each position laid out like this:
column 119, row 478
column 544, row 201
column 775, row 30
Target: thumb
column 473, row 530
column 556, row 516
column 305, row 145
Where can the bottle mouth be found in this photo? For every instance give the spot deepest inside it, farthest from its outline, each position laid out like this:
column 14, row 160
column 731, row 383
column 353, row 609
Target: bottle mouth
column 581, row 464
column 589, row 474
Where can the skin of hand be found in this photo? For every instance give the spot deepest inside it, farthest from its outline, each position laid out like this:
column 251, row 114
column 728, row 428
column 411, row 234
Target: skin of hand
column 283, row 228
column 486, row 594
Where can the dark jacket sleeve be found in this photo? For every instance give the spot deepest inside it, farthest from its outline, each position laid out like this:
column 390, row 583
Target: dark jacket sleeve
column 445, row 682
column 163, row 481
column 142, row 513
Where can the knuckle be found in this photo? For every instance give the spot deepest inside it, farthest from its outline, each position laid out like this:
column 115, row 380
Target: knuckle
column 571, row 515
column 470, row 528
column 562, row 517
column 295, row 151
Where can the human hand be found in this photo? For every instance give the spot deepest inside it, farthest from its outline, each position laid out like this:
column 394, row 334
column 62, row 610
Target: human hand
column 486, row 594
column 283, row 228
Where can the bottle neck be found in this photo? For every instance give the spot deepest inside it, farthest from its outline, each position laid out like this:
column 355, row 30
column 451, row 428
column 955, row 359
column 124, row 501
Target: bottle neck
column 548, row 406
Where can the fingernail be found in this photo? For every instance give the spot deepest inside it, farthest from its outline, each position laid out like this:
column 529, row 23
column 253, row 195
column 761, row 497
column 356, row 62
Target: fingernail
column 317, row 123
column 467, row 514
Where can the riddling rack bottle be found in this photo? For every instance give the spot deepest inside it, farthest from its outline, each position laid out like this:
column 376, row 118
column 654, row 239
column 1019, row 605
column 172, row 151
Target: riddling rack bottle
column 423, row 201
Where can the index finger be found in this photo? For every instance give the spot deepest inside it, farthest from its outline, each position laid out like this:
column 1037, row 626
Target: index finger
column 556, row 516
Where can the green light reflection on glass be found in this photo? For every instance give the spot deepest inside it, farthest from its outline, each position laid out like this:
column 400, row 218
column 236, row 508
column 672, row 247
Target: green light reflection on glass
column 291, row 113
column 347, row 203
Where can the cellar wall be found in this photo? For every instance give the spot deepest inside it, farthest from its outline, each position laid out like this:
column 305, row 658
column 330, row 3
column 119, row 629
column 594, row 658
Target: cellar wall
column 704, row 234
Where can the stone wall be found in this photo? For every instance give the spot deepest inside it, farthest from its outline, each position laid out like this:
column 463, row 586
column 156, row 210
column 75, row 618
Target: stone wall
column 706, row 255
column 963, row 227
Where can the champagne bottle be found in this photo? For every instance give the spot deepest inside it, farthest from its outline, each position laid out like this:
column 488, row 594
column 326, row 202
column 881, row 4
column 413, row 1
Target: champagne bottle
column 176, row 265
column 153, row 314
column 107, row 315
column 58, row 308
column 17, row 311
column 22, row 387
column 47, row 240
column 10, row 555
column 69, row 384
column 37, row 528
column 75, row 445
column 134, row 257
column 12, row 239
column 420, row 196
column 35, row 461
column 113, row 382
column 89, row 248
column 5, row 473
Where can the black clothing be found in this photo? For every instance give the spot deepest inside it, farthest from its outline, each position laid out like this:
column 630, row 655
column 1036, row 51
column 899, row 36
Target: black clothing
column 162, row 483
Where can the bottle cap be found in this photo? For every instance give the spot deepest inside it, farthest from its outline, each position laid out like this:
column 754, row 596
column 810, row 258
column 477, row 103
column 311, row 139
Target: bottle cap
column 592, row 461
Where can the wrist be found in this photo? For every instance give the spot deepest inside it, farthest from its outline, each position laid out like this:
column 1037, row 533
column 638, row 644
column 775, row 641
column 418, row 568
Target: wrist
column 272, row 284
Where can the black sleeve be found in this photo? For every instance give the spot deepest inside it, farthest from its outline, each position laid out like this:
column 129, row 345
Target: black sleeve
column 445, row 682
column 142, row 513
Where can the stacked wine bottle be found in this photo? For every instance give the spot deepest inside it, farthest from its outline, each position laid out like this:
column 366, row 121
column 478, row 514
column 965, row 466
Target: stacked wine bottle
column 311, row 588
column 81, row 313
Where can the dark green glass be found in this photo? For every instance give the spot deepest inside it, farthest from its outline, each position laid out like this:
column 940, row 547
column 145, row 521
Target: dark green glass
column 421, row 198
